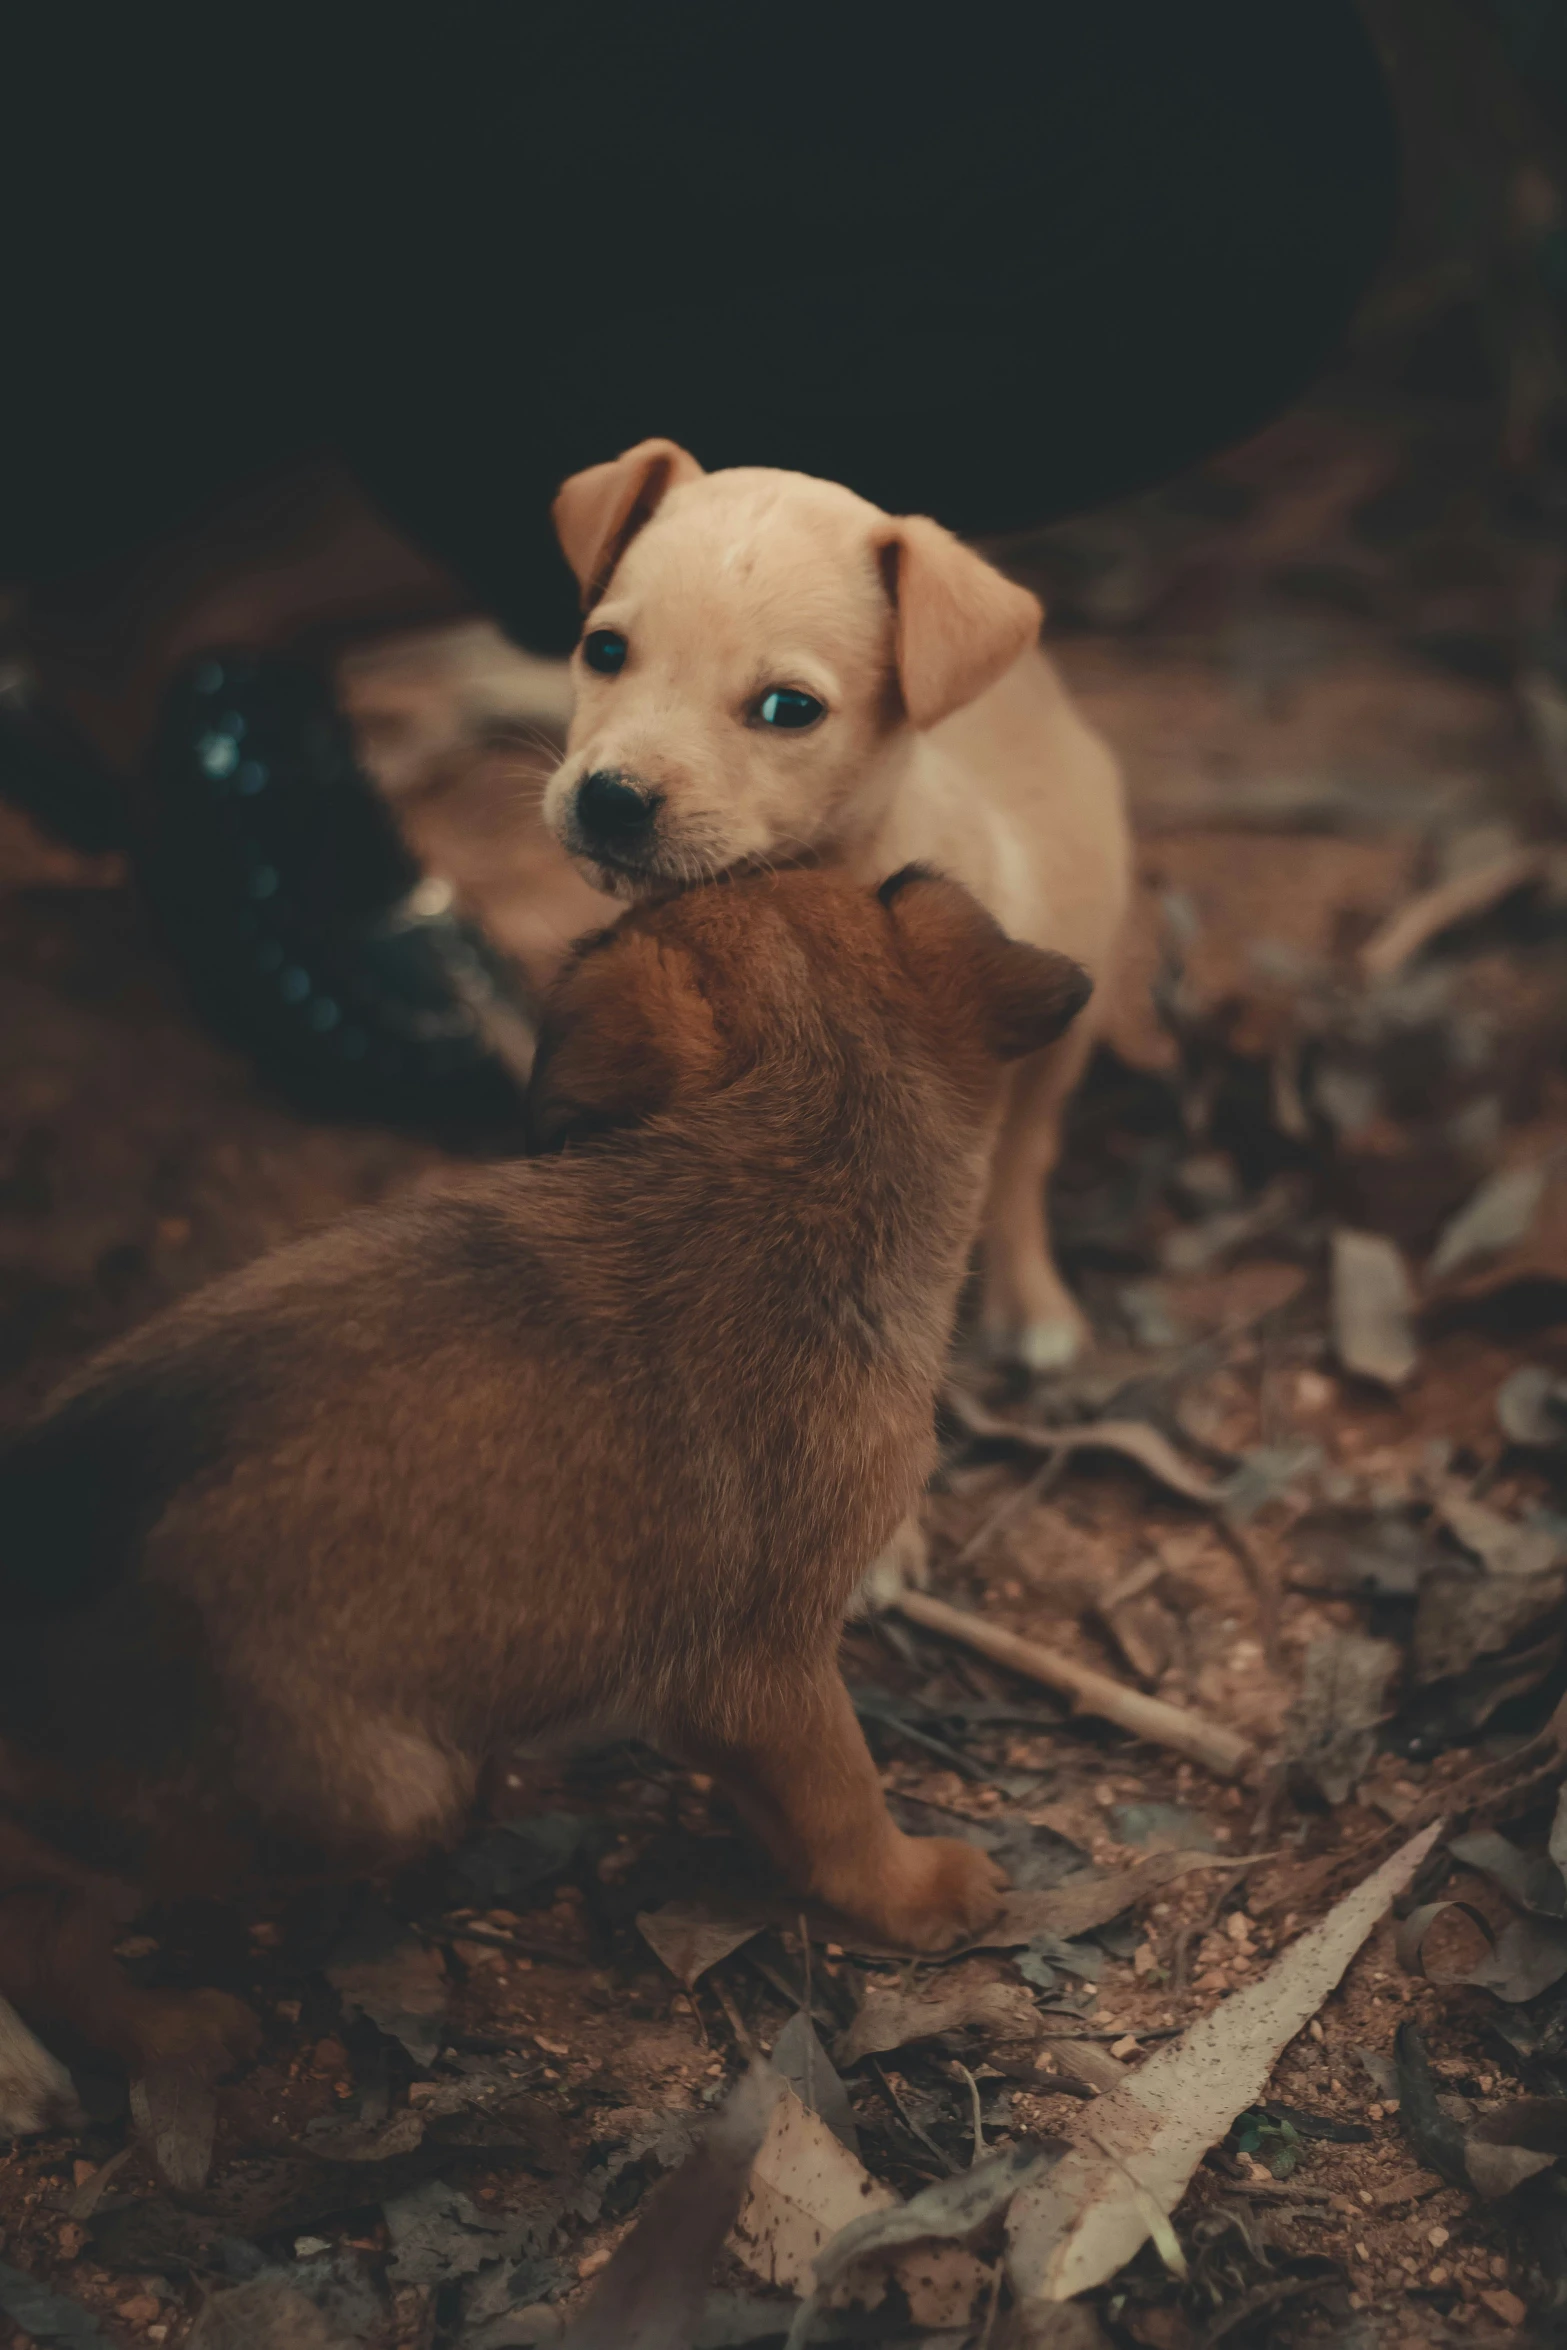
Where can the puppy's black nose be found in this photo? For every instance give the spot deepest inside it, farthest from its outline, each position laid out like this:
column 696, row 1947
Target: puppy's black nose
column 613, row 813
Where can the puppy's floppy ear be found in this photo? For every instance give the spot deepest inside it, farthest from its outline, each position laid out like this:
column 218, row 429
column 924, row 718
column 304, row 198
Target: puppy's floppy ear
column 1033, row 994
column 598, row 512
column 960, row 624
column 1027, row 995
column 626, row 1031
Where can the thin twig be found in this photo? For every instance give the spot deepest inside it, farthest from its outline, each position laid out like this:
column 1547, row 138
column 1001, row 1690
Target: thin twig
column 1276, row 2191
column 908, row 2121
column 979, row 2119
column 1498, row 1790
column 785, row 1989
column 1163, row 2032
column 810, row 2028
column 550, row 1952
column 1217, row 1748
column 1403, row 934
column 736, row 2021
column 1206, row 1923
column 989, row 2326
column 1264, row 1583
column 1012, row 1505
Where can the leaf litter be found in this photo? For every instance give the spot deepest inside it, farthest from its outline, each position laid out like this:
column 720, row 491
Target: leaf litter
column 1077, row 2227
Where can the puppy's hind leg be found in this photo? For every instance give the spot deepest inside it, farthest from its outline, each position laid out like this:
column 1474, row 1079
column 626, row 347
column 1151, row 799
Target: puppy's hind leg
column 803, row 1778
column 354, row 1783
column 1030, row 1316
column 58, row 1927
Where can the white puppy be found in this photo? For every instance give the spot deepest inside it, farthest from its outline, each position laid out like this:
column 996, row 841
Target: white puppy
column 771, row 665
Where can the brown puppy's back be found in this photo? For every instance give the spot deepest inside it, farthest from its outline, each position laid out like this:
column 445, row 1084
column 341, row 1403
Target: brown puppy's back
column 603, row 1436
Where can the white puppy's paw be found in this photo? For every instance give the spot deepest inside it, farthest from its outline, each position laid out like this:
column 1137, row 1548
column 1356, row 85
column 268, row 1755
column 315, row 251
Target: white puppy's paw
column 1043, row 1346
column 36, row 2092
column 904, row 1564
column 1049, row 1346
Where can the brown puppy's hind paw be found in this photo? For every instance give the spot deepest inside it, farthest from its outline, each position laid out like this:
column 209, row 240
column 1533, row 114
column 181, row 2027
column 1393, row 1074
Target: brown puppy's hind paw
column 211, row 2032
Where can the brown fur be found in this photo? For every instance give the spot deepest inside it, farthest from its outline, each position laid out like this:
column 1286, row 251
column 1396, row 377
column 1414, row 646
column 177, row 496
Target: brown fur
column 949, row 740
column 604, row 1436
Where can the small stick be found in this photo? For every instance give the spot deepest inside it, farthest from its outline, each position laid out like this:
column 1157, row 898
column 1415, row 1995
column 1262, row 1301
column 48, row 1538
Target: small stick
column 1276, row 2191
column 1264, row 1583
column 1413, row 926
column 1219, row 1750
column 736, row 2020
column 1163, row 2032
column 785, row 1989
column 524, row 1946
column 979, row 2119
column 810, row 2028
column 944, row 2161
column 1046, row 1477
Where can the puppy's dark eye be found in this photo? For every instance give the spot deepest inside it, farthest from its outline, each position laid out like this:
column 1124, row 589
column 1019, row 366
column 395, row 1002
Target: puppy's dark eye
column 782, row 706
column 604, row 649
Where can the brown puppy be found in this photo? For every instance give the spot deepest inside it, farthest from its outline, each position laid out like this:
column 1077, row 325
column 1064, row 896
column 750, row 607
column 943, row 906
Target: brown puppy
column 603, row 1438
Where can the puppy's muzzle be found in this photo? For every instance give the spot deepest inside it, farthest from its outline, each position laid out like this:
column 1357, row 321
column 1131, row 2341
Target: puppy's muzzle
column 613, row 816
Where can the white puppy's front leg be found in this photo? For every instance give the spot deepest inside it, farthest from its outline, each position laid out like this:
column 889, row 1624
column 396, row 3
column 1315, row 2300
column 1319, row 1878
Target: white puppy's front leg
column 1030, row 1316
column 905, row 1561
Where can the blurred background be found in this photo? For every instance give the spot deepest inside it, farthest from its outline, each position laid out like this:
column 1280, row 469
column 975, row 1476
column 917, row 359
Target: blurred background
column 1333, row 660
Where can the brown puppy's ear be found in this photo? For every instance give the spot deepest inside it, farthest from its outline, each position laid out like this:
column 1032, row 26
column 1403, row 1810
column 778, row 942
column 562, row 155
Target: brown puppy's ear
column 626, row 1031
column 599, row 512
column 960, row 624
column 1034, row 994
column 1027, row 995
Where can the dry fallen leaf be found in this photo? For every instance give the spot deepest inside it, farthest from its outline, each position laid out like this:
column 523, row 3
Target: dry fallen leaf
column 1527, row 1956
column 1134, row 1440
column 50, row 2319
column 1531, row 1879
column 805, row 2188
column 1496, row 2171
column 1077, row 1907
column 1502, row 1546
column 1556, row 1842
column 1373, row 1308
column 266, row 2314
column 381, row 1972
column 1497, row 1217
column 1076, row 2226
column 1085, row 1902
column 175, row 2112
column 651, row 2295
column 1463, row 1614
column 891, row 2019
column 1457, row 898
column 691, row 1936
column 1054, row 2325
column 954, row 2212
column 1531, row 1407
column 1330, row 1731
column 805, row 2064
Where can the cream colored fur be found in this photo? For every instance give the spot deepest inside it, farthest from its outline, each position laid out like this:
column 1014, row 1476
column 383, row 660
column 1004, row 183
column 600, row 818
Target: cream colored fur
column 948, row 739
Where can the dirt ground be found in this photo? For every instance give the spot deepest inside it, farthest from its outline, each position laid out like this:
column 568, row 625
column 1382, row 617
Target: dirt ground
column 1322, row 662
